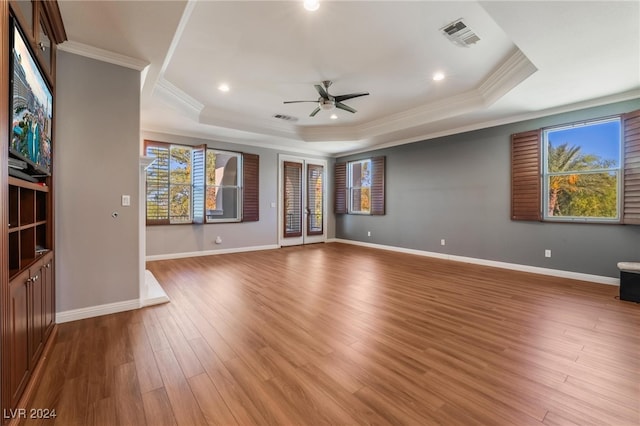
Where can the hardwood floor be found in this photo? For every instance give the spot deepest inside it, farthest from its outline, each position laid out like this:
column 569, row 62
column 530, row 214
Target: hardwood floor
column 339, row 334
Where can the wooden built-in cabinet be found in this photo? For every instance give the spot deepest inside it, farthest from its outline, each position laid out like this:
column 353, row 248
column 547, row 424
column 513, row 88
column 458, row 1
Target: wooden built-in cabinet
column 27, row 279
column 29, row 224
column 31, row 321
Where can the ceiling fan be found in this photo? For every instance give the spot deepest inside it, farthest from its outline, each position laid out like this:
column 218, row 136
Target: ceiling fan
column 328, row 102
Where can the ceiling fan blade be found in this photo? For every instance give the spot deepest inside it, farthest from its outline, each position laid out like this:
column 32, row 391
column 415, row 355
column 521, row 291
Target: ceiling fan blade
column 321, row 91
column 297, row 102
column 350, row 96
column 315, row 111
column 345, row 107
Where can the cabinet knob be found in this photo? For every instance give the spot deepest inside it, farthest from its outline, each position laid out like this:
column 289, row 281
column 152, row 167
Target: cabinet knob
column 35, row 278
column 41, row 46
column 48, row 265
column 29, row 280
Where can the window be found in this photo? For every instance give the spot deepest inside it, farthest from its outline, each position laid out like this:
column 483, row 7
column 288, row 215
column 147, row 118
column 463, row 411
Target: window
column 188, row 184
column 222, row 185
column 360, row 187
column 359, row 173
column 581, row 165
column 588, row 171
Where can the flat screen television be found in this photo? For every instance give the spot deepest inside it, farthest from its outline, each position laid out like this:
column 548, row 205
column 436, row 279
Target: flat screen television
column 31, row 109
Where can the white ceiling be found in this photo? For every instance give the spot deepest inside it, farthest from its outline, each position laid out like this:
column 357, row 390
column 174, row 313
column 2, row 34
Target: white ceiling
column 533, row 58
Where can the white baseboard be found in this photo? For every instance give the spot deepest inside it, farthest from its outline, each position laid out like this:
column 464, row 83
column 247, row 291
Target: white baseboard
column 209, row 252
column 513, row 266
column 96, row 311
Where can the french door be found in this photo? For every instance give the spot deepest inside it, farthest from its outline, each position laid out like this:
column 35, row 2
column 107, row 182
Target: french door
column 302, row 201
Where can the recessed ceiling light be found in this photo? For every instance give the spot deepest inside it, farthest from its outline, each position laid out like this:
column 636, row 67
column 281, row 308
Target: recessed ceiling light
column 438, row 76
column 224, row 87
column 312, row 5
column 333, row 117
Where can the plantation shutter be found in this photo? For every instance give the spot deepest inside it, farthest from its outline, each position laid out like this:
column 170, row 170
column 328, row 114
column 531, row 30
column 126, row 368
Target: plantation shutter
column 340, row 188
column 251, row 188
column 377, row 185
column 157, row 184
column 292, row 177
column 525, row 176
column 315, row 199
column 631, row 191
column 198, row 155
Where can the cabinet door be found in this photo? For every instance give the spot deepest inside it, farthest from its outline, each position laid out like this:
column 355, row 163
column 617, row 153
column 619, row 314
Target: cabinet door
column 36, row 327
column 18, row 329
column 49, row 296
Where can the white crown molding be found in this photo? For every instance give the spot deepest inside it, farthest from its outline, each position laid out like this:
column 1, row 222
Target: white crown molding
column 620, row 97
column 511, row 72
column 504, row 265
column 178, row 97
column 262, row 141
column 507, row 76
column 229, row 120
column 445, row 108
column 103, row 55
column 177, row 35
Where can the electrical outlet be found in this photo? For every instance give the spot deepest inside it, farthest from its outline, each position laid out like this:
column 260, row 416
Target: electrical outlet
column 547, row 253
column 368, row 233
column 442, row 242
column 218, row 240
column 126, row 200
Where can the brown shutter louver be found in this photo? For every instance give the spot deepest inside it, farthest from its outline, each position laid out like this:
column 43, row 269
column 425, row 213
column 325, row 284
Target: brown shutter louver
column 377, row 185
column 525, row 176
column 157, row 183
column 292, row 188
column 340, row 192
column 251, row 187
column 631, row 191
column 315, row 199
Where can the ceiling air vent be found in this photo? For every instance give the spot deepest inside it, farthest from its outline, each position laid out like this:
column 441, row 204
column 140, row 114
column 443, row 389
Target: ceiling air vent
column 285, row 117
column 459, row 33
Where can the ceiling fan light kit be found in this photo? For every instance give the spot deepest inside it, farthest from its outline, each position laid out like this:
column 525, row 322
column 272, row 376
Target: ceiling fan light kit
column 329, row 102
column 326, row 104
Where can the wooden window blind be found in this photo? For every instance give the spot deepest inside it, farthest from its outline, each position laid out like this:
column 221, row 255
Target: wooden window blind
column 315, row 199
column 525, row 176
column 251, row 188
column 340, row 189
column 292, row 177
column 157, row 184
column 631, row 185
column 377, row 185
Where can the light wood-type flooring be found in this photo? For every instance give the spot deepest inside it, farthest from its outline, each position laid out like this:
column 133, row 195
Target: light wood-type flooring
column 346, row 335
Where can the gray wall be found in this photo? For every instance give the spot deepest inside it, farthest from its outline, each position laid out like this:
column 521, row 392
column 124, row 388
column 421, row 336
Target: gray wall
column 176, row 239
column 457, row 188
column 96, row 161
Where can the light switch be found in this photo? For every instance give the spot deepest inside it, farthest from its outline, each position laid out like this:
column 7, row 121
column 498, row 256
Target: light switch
column 126, row 200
